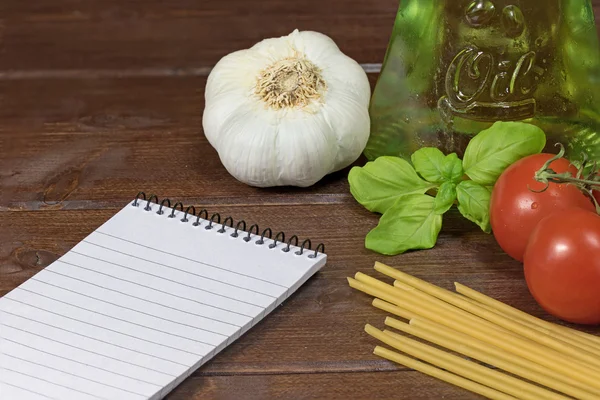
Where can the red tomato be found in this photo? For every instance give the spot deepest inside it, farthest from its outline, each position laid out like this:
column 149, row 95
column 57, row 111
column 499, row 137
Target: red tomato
column 516, row 210
column 562, row 265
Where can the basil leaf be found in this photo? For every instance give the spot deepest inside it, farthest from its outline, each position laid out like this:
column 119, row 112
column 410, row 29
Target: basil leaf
column 474, row 203
column 411, row 224
column 445, row 198
column 434, row 166
column 379, row 184
column 429, row 162
column 494, row 149
column 453, row 168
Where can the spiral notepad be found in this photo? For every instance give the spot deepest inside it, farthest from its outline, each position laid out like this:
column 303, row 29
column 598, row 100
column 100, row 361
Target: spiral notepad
column 142, row 302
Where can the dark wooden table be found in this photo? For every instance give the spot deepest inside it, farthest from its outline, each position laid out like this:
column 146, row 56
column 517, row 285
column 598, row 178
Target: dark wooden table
column 100, row 99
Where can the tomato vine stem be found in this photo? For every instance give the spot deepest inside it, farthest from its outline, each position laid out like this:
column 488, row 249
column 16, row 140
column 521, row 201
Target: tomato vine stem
column 584, row 181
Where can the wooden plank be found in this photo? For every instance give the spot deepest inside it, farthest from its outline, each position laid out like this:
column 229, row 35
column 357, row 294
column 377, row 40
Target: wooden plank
column 33, row 107
column 404, row 385
column 73, row 34
column 30, row 108
column 180, row 35
column 82, row 143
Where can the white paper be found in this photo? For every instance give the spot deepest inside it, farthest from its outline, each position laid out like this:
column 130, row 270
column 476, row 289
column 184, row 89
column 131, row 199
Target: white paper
column 139, row 305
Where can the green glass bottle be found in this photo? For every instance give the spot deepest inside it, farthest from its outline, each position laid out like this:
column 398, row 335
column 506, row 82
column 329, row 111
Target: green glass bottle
column 454, row 67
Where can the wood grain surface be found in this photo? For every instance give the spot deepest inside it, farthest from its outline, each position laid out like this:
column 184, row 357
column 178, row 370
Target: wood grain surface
column 101, row 99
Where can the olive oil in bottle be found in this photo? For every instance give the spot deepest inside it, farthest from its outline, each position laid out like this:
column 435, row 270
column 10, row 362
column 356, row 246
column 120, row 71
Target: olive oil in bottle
column 454, row 67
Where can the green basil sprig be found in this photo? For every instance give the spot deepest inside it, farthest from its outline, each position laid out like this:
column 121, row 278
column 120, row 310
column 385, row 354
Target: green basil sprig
column 403, row 192
column 495, row 149
column 380, row 184
column 409, row 224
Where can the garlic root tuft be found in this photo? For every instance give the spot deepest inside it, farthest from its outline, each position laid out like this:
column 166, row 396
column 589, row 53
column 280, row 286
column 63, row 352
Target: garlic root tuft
column 291, row 82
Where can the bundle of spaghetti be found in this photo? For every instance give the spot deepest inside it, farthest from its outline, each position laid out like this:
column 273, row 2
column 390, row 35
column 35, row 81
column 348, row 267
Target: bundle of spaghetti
column 520, row 356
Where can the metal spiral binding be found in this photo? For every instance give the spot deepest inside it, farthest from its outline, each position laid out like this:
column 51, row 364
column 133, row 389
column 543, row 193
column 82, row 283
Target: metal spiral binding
column 190, row 213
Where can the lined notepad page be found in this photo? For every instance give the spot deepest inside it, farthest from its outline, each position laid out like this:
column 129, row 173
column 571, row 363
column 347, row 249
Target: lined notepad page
column 139, row 305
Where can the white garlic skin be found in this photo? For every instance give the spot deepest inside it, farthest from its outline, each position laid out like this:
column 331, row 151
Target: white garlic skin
column 262, row 145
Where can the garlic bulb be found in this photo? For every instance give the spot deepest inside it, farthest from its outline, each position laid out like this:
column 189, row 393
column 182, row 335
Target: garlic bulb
column 287, row 111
